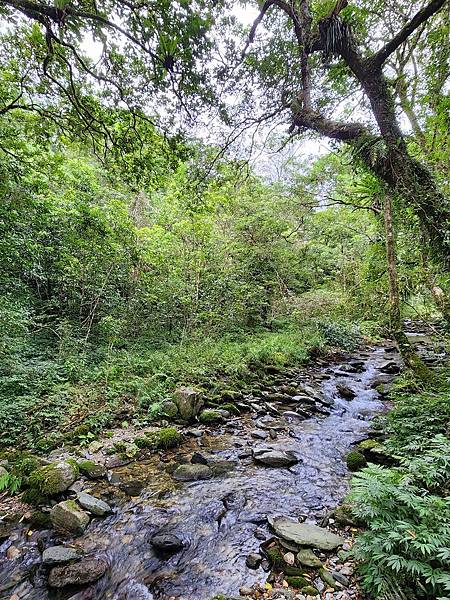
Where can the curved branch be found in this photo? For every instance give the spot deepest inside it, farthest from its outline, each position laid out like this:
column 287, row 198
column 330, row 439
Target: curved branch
column 419, row 18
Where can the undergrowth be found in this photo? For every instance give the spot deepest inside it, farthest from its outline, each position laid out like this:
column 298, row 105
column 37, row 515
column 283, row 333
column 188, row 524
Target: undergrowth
column 406, row 508
column 72, row 395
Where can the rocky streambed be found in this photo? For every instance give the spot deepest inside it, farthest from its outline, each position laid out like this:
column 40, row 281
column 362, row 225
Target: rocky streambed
column 206, row 519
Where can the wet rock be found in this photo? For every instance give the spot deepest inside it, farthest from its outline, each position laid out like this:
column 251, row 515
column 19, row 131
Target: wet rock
column 273, row 434
column 292, row 415
column 54, row 478
column 257, row 434
column 253, row 561
column 57, row 555
column 198, row 459
column 305, row 534
column 345, row 391
column 91, row 469
column 93, row 505
column 340, row 578
column 188, row 401
column 132, row 487
column 167, row 543
column 81, row 573
column 68, row 517
column 275, row 458
column 192, row 472
column 391, row 367
column 307, row 558
column 221, row 466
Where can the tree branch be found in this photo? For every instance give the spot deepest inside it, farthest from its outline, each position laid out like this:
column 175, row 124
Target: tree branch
column 419, row 18
column 344, row 132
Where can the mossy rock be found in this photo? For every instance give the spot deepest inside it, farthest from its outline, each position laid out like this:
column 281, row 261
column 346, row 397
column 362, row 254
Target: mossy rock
column 343, row 515
column 355, row 461
column 40, row 520
column 298, row 582
column 369, row 445
column 310, row 590
column 143, row 442
column 276, row 558
column 210, row 416
column 165, row 438
column 328, row 579
column 227, row 395
column 91, row 469
column 54, row 478
column 293, row 571
column 234, row 410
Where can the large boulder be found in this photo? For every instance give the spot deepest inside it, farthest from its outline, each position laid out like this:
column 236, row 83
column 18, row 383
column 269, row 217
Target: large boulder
column 58, row 555
column 191, row 472
column 275, row 458
column 54, row 478
column 305, row 534
column 85, row 571
column 68, row 517
column 93, row 505
column 188, row 401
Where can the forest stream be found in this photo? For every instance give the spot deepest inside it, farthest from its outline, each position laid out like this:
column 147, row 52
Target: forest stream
column 220, row 521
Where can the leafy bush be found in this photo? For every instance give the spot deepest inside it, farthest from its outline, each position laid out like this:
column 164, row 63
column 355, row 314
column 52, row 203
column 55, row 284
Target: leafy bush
column 339, row 334
column 408, row 523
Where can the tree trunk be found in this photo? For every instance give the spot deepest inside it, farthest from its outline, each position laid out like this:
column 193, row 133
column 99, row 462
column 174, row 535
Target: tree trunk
column 406, row 350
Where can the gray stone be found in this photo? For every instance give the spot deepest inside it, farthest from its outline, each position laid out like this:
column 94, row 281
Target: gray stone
column 275, row 458
column 305, row 534
column 81, row 573
column 258, row 434
column 192, row 472
column 58, row 555
column 188, row 401
column 93, row 505
column 307, row 558
column 340, row 578
column 68, row 517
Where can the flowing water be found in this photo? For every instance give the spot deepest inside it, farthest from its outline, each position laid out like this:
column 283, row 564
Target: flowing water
column 217, row 519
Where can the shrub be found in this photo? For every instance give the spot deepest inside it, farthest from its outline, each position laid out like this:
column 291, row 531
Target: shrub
column 408, row 536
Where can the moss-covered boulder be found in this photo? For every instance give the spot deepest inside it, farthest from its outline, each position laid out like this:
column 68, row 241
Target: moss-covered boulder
column 328, row 579
column 276, row 558
column 54, row 478
column 68, row 517
column 168, row 437
column 355, row 461
column 92, row 469
column 210, row 416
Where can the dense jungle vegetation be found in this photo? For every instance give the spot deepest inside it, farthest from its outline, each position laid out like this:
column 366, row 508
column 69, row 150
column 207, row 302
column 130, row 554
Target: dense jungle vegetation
column 166, row 219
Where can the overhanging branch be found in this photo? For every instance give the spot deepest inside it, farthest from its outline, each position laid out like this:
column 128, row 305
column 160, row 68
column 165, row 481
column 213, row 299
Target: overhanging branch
column 419, row 18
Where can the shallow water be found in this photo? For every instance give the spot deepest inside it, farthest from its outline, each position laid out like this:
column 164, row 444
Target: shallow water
column 217, row 519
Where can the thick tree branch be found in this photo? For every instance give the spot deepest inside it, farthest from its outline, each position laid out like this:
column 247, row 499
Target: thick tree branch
column 419, row 18
column 344, row 132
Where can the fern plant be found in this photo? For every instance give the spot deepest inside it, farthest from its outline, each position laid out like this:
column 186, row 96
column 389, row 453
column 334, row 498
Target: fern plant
column 408, row 524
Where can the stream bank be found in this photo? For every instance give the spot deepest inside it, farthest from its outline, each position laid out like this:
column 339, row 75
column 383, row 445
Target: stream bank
column 303, row 428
